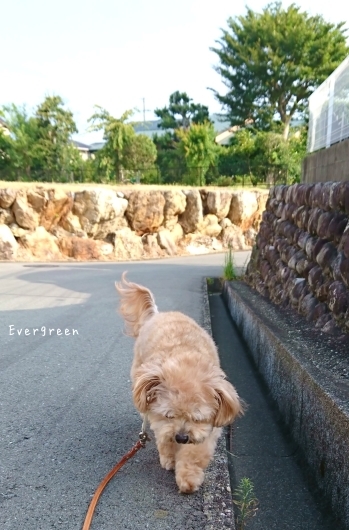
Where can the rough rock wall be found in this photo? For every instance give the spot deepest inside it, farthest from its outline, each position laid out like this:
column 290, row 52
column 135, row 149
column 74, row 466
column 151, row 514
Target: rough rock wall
column 301, row 256
column 104, row 224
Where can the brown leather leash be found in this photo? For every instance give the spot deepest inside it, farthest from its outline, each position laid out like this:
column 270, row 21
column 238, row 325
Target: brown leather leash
column 143, row 437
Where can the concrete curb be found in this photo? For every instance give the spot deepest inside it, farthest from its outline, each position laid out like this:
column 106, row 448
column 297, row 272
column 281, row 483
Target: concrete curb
column 313, row 401
column 217, row 499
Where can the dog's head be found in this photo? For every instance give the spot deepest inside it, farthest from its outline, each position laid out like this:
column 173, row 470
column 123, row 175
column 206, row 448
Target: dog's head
column 185, row 403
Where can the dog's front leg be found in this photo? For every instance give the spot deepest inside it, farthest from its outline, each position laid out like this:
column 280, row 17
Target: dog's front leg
column 191, row 462
column 167, row 454
column 166, row 450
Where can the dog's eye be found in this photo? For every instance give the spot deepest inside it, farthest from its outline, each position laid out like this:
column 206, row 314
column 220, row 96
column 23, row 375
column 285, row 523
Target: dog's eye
column 199, row 419
column 169, row 415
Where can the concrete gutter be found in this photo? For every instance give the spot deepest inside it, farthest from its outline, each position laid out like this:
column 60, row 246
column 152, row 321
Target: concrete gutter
column 313, row 400
column 217, row 498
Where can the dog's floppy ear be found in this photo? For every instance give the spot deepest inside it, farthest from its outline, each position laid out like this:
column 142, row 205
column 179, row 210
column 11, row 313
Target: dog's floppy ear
column 229, row 404
column 144, row 389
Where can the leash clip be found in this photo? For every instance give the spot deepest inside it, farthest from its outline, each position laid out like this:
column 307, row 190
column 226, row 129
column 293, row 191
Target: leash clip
column 143, row 437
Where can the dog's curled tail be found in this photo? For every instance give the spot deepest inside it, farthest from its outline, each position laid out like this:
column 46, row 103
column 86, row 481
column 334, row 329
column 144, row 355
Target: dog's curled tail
column 137, row 305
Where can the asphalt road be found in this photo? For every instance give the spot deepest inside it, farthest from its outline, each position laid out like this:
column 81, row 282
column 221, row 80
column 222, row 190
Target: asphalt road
column 65, row 403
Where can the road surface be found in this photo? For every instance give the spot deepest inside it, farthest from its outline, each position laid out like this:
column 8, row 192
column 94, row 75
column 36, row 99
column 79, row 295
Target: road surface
column 66, row 409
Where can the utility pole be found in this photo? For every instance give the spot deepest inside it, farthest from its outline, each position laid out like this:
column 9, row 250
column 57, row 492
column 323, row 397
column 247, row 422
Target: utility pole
column 144, row 110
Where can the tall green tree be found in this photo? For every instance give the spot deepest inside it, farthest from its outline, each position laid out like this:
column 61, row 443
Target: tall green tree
column 139, row 153
column 272, row 61
column 264, row 156
column 170, row 159
column 123, row 149
column 55, row 127
column 20, row 148
column 238, row 158
column 5, row 149
column 200, row 150
column 116, row 133
column 181, row 112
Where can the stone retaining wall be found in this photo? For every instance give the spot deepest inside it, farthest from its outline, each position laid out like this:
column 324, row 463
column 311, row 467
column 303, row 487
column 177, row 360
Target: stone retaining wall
column 104, row 224
column 301, row 256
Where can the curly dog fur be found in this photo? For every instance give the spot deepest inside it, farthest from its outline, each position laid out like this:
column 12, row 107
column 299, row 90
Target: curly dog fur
column 177, row 381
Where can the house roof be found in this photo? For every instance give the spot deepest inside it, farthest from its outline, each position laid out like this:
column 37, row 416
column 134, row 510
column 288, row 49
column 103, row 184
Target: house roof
column 150, row 127
column 145, row 126
column 81, row 146
column 96, row 146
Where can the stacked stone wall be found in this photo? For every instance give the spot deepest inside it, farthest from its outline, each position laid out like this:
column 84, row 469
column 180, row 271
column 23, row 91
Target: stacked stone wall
column 107, row 224
column 301, row 256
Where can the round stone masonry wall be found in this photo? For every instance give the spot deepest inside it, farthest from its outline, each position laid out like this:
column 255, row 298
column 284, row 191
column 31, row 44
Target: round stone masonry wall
column 301, row 256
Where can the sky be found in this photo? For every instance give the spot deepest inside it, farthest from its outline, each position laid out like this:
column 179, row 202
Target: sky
column 119, row 54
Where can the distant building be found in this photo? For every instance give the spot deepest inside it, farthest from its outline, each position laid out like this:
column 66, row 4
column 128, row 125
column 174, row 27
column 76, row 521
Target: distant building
column 151, row 127
column 96, row 146
column 224, row 137
column 84, row 149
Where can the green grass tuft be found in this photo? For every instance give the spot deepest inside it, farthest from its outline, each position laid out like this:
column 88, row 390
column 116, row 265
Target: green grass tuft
column 246, row 502
column 229, row 272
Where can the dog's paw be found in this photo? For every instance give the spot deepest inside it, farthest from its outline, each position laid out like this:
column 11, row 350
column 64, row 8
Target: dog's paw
column 167, row 462
column 190, row 482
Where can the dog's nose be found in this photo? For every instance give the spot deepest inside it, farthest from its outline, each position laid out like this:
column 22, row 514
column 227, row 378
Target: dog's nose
column 182, row 438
